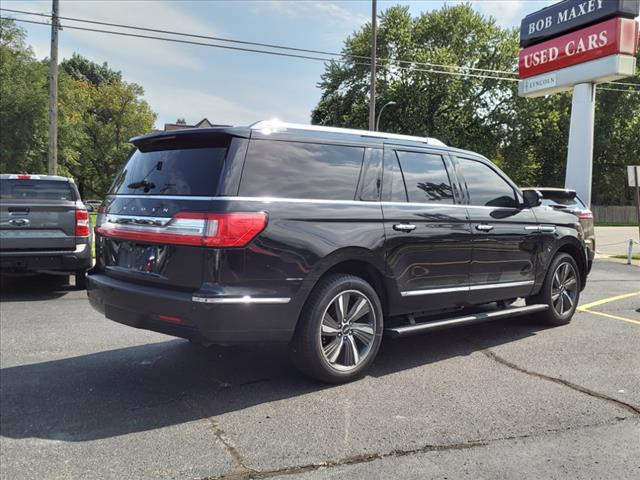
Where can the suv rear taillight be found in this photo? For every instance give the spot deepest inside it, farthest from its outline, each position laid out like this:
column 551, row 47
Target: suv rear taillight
column 190, row 228
column 82, row 223
column 585, row 215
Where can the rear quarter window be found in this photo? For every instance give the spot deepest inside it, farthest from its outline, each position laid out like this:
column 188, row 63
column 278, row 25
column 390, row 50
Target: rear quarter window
column 40, row 190
column 551, row 199
column 301, row 170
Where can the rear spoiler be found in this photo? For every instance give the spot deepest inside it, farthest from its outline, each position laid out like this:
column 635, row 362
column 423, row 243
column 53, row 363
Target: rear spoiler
column 193, row 136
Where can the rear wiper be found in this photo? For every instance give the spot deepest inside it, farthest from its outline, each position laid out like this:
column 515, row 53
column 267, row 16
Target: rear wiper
column 142, row 184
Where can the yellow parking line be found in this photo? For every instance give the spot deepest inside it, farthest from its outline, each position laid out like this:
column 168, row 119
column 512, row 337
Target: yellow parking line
column 607, row 300
column 586, row 308
column 608, row 315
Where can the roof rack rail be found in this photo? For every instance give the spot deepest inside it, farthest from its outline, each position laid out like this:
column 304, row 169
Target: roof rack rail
column 271, row 126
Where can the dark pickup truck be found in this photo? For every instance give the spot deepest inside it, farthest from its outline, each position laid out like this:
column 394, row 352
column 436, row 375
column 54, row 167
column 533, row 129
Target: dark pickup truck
column 44, row 227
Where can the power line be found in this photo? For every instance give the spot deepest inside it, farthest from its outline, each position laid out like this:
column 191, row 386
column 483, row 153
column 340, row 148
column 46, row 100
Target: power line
column 281, row 54
column 618, row 89
column 276, row 46
column 189, row 42
column 259, row 44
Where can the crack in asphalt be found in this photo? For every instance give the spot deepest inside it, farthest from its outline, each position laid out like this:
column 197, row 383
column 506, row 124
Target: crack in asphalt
column 352, row 460
column 396, row 453
column 239, row 469
column 579, row 388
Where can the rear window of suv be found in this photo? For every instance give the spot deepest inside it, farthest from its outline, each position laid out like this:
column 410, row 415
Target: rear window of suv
column 46, row 190
column 177, row 171
column 301, row 170
column 555, row 199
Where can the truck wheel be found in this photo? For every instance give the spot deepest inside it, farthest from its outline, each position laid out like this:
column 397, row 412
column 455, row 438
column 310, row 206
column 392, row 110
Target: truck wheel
column 561, row 291
column 81, row 279
column 339, row 331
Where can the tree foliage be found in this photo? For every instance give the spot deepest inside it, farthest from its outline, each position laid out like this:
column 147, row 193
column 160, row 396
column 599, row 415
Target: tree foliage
column 97, row 118
column 98, row 113
column 23, row 103
column 81, row 68
column 526, row 137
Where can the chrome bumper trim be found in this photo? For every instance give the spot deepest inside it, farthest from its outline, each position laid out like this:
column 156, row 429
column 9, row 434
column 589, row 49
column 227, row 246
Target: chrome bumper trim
column 238, row 300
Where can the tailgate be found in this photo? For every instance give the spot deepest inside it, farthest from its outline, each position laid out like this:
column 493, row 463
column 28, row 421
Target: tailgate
column 135, row 255
column 37, row 227
column 37, row 214
column 160, row 222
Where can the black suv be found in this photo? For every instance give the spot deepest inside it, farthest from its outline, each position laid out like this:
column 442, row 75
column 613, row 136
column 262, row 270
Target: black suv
column 325, row 238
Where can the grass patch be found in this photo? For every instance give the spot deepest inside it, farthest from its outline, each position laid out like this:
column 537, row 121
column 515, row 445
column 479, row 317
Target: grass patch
column 92, row 218
column 615, row 225
column 635, row 256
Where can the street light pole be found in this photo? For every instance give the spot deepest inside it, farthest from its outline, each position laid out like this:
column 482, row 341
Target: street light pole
column 52, row 162
column 380, row 113
column 372, row 93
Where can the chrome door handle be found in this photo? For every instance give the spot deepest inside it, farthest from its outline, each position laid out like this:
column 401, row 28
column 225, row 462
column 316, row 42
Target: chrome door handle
column 404, row 227
column 484, row 228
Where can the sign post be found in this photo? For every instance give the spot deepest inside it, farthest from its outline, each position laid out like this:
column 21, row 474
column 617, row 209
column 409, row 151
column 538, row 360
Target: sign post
column 576, row 44
column 633, row 172
column 580, row 152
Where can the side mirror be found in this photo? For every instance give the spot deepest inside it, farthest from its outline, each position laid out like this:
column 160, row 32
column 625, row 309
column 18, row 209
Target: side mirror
column 532, row 198
column 89, row 207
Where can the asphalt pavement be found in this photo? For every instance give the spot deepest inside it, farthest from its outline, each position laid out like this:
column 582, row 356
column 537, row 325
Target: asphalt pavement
column 83, row 397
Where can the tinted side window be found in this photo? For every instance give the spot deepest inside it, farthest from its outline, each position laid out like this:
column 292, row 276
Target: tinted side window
column 393, row 188
column 485, row 186
column 425, row 177
column 371, row 178
column 301, row 170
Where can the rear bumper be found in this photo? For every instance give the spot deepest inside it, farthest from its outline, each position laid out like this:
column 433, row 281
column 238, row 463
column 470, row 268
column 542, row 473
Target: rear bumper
column 47, row 260
column 222, row 320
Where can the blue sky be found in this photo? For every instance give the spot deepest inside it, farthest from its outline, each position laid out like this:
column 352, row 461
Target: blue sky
column 227, row 87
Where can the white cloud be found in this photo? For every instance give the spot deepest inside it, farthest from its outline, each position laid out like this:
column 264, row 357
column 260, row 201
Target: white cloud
column 193, row 105
column 321, row 11
column 509, row 13
column 151, row 14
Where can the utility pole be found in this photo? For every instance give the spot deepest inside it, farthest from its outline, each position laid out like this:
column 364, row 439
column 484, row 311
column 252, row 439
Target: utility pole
column 53, row 92
column 372, row 94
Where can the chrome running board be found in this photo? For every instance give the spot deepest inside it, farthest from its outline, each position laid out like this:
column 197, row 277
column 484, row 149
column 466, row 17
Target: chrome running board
column 404, row 331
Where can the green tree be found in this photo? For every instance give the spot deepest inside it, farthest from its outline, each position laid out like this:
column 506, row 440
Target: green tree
column 23, row 103
column 460, row 110
column 526, row 137
column 98, row 113
column 97, row 118
column 536, row 135
column 81, row 68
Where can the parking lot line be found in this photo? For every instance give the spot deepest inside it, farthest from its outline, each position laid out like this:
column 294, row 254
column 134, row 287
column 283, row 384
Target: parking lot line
column 587, row 308
column 615, row 317
column 607, row 300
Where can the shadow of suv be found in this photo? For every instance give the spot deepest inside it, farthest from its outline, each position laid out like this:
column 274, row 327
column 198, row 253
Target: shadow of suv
column 325, row 238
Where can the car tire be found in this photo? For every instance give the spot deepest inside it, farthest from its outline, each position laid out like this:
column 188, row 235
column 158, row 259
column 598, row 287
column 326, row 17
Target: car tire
column 560, row 291
column 81, row 279
column 339, row 331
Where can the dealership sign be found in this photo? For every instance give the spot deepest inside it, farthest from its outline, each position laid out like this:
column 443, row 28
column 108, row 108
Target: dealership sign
column 571, row 15
column 617, row 35
column 605, row 69
column 577, row 41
